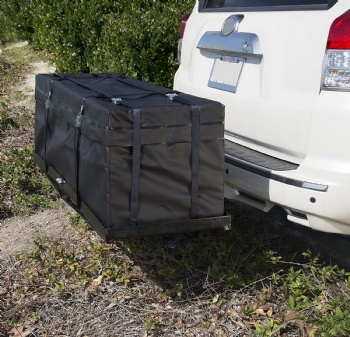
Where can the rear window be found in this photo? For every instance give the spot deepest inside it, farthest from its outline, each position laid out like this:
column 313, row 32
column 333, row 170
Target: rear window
column 264, row 5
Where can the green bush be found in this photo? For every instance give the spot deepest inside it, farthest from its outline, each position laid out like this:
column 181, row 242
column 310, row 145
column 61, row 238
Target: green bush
column 8, row 29
column 140, row 41
column 16, row 19
column 70, row 30
column 134, row 38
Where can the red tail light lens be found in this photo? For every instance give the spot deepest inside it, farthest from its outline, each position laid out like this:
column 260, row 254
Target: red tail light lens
column 183, row 25
column 336, row 69
column 339, row 33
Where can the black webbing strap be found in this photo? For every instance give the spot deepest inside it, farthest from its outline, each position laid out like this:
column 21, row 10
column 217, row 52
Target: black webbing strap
column 136, row 164
column 195, row 131
column 119, row 78
column 78, row 124
column 140, row 85
column 98, row 93
column 195, row 161
column 47, row 111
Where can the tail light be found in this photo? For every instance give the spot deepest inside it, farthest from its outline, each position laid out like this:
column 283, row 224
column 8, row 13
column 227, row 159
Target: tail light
column 182, row 32
column 183, row 25
column 336, row 74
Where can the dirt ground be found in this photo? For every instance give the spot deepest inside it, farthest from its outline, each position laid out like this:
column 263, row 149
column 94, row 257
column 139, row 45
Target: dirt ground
column 17, row 234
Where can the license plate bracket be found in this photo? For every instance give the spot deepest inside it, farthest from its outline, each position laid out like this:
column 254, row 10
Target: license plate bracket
column 226, row 73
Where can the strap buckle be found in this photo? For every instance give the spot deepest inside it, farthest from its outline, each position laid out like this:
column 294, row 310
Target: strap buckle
column 116, row 100
column 47, row 103
column 171, row 96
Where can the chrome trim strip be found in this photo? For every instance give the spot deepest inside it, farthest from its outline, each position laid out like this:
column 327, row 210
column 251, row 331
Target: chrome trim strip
column 236, row 44
column 267, row 173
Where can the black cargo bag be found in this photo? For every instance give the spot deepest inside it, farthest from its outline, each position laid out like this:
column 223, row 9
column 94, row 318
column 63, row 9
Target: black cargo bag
column 133, row 158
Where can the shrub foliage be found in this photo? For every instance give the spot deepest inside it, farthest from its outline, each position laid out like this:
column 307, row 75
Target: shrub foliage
column 135, row 38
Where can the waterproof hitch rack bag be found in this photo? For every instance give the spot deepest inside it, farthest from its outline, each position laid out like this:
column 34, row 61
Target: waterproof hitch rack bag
column 133, row 158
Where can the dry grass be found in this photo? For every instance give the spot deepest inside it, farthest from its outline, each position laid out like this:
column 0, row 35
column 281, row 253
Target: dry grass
column 79, row 286
column 136, row 301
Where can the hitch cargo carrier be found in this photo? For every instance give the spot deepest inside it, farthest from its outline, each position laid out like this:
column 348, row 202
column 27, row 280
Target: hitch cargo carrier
column 133, row 158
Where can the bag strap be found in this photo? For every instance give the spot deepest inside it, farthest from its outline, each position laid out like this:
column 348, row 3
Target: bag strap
column 119, row 78
column 140, row 85
column 99, row 94
column 195, row 111
column 136, row 164
column 46, row 122
column 77, row 136
column 47, row 111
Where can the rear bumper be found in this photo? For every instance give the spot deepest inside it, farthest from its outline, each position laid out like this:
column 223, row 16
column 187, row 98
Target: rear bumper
column 320, row 201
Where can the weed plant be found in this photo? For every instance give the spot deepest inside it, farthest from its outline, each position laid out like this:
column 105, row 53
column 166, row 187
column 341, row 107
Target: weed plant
column 11, row 70
column 6, row 121
column 23, row 188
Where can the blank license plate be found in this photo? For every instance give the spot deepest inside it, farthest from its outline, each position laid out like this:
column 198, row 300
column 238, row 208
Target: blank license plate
column 226, row 73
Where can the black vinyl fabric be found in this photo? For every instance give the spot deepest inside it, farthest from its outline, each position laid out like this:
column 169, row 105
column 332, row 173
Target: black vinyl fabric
column 130, row 153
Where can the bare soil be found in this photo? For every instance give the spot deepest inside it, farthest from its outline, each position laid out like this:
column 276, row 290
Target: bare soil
column 17, row 234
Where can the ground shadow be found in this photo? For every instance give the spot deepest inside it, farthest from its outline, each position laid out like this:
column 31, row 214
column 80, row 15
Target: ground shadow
column 189, row 262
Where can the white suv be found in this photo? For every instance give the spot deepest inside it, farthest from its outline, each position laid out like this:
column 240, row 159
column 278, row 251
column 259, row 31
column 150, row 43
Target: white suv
column 282, row 69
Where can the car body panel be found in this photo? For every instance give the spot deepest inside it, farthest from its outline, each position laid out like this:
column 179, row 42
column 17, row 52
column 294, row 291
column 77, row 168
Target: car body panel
column 278, row 108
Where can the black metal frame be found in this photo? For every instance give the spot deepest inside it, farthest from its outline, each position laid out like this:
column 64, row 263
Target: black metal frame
column 112, row 234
